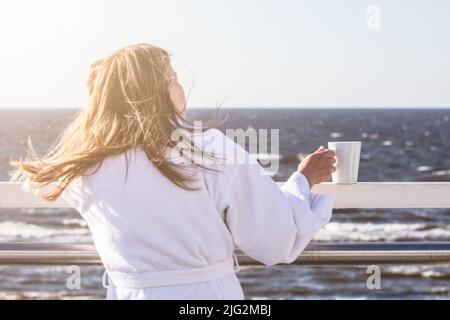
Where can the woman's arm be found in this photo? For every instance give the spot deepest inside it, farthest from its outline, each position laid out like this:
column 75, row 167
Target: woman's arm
column 274, row 225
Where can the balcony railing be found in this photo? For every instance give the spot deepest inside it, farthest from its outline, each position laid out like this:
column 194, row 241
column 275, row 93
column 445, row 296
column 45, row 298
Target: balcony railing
column 408, row 253
column 360, row 195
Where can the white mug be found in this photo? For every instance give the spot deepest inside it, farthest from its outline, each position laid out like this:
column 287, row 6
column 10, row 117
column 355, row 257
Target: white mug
column 347, row 161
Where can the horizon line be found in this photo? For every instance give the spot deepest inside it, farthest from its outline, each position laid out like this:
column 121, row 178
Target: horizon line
column 260, row 107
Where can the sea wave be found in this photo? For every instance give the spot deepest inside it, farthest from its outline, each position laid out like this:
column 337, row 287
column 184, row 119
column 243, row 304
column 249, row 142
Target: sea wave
column 428, row 272
column 14, row 231
column 347, row 231
column 334, row 231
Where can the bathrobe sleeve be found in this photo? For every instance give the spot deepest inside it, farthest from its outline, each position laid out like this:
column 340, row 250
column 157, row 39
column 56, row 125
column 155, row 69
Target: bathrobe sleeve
column 269, row 224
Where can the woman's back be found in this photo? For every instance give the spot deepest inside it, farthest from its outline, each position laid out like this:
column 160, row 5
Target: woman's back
column 151, row 233
column 142, row 222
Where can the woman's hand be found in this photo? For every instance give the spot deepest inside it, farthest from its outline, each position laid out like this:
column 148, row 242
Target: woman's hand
column 318, row 166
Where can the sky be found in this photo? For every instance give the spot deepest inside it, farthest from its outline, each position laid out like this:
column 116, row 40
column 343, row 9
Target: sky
column 260, row 53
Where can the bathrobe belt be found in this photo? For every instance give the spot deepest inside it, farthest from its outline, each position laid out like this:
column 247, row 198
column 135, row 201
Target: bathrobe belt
column 139, row 280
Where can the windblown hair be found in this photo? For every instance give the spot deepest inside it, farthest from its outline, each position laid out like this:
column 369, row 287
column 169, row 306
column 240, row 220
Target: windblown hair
column 129, row 107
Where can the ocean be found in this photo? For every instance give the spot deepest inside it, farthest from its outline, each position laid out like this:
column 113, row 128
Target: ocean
column 397, row 145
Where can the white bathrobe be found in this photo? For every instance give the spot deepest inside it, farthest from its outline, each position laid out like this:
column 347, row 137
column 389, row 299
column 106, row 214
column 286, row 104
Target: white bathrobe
column 159, row 241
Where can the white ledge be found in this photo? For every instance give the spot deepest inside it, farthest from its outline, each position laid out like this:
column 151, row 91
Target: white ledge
column 360, row 195
column 388, row 194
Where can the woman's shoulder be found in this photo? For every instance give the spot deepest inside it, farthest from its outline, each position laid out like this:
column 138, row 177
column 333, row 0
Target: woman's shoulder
column 104, row 169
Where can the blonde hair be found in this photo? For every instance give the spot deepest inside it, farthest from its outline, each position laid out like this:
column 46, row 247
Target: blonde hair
column 129, row 107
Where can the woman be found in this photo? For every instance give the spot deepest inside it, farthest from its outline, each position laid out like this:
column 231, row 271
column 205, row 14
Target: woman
column 165, row 221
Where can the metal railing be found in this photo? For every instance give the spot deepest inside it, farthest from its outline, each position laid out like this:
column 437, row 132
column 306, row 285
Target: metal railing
column 360, row 195
column 408, row 253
